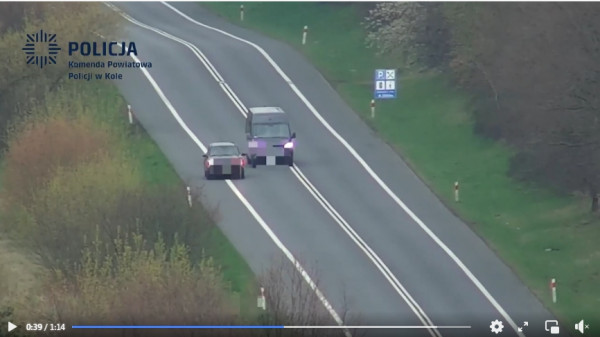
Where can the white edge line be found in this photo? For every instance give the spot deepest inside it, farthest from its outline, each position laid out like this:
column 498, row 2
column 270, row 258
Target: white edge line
column 379, row 181
column 245, row 202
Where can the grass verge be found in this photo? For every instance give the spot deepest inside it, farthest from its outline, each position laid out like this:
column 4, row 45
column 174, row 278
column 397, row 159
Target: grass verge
column 430, row 125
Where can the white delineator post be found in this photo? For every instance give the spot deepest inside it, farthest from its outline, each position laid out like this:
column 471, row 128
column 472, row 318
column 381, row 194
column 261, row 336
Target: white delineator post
column 261, row 302
column 189, row 196
column 456, row 196
column 372, row 108
column 304, row 33
column 553, row 289
column 241, row 12
column 130, row 114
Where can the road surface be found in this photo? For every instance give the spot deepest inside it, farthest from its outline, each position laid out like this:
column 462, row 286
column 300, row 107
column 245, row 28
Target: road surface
column 397, row 265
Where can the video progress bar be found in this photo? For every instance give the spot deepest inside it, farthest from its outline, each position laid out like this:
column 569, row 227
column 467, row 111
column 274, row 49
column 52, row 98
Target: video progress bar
column 271, row 327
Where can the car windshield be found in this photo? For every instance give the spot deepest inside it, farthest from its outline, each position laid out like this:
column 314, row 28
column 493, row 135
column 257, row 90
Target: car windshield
column 227, row 150
column 279, row 130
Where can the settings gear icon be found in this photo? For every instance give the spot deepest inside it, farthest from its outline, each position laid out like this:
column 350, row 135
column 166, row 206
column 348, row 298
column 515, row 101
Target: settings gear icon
column 497, row 326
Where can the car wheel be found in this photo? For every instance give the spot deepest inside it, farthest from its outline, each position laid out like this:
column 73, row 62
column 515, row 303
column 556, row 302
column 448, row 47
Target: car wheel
column 253, row 161
column 291, row 159
column 243, row 173
column 207, row 175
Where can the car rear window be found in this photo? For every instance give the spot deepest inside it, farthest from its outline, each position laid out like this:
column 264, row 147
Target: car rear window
column 224, row 151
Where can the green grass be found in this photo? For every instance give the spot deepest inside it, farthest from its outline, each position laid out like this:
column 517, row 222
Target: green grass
column 430, row 125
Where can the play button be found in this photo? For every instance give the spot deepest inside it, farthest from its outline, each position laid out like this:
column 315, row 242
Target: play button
column 11, row 327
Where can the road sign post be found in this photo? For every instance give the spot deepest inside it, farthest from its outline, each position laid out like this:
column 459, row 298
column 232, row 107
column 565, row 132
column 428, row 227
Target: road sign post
column 385, row 84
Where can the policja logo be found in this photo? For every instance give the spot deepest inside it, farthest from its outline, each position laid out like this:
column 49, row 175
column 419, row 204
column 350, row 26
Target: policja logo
column 41, row 48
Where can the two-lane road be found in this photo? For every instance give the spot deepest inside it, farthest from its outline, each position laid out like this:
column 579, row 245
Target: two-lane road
column 393, row 269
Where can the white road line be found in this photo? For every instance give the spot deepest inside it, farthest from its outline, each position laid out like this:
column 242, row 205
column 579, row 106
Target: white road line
column 395, row 283
column 364, row 164
column 235, row 190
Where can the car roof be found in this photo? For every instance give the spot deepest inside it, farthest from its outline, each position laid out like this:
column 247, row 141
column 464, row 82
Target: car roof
column 266, row 109
column 222, row 144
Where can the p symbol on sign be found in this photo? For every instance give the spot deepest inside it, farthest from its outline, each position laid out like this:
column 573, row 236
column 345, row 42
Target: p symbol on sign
column 380, row 74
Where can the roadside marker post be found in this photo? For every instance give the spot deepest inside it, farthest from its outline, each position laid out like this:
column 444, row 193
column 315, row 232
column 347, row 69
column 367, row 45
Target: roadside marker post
column 261, row 301
column 130, row 114
column 304, row 33
column 553, row 288
column 456, row 196
column 189, row 196
column 372, row 108
column 241, row 12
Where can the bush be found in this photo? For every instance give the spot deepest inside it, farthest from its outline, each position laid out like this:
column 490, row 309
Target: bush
column 72, row 204
column 42, row 143
column 164, row 209
column 133, row 285
column 67, row 170
column 107, row 193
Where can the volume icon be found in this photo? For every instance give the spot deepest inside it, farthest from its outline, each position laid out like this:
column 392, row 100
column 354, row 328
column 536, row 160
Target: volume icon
column 579, row 326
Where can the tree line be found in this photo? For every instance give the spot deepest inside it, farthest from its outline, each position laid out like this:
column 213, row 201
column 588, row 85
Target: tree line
column 533, row 71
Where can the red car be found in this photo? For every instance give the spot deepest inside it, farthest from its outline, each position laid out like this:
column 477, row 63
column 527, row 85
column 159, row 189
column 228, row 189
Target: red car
column 224, row 160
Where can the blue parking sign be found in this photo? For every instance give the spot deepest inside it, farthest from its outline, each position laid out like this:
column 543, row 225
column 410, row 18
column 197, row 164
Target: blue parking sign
column 385, row 83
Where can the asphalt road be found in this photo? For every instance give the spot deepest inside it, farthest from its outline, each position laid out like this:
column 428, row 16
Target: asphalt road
column 434, row 280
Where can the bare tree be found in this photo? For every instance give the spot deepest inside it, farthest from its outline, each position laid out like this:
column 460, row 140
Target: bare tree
column 129, row 284
column 290, row 300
